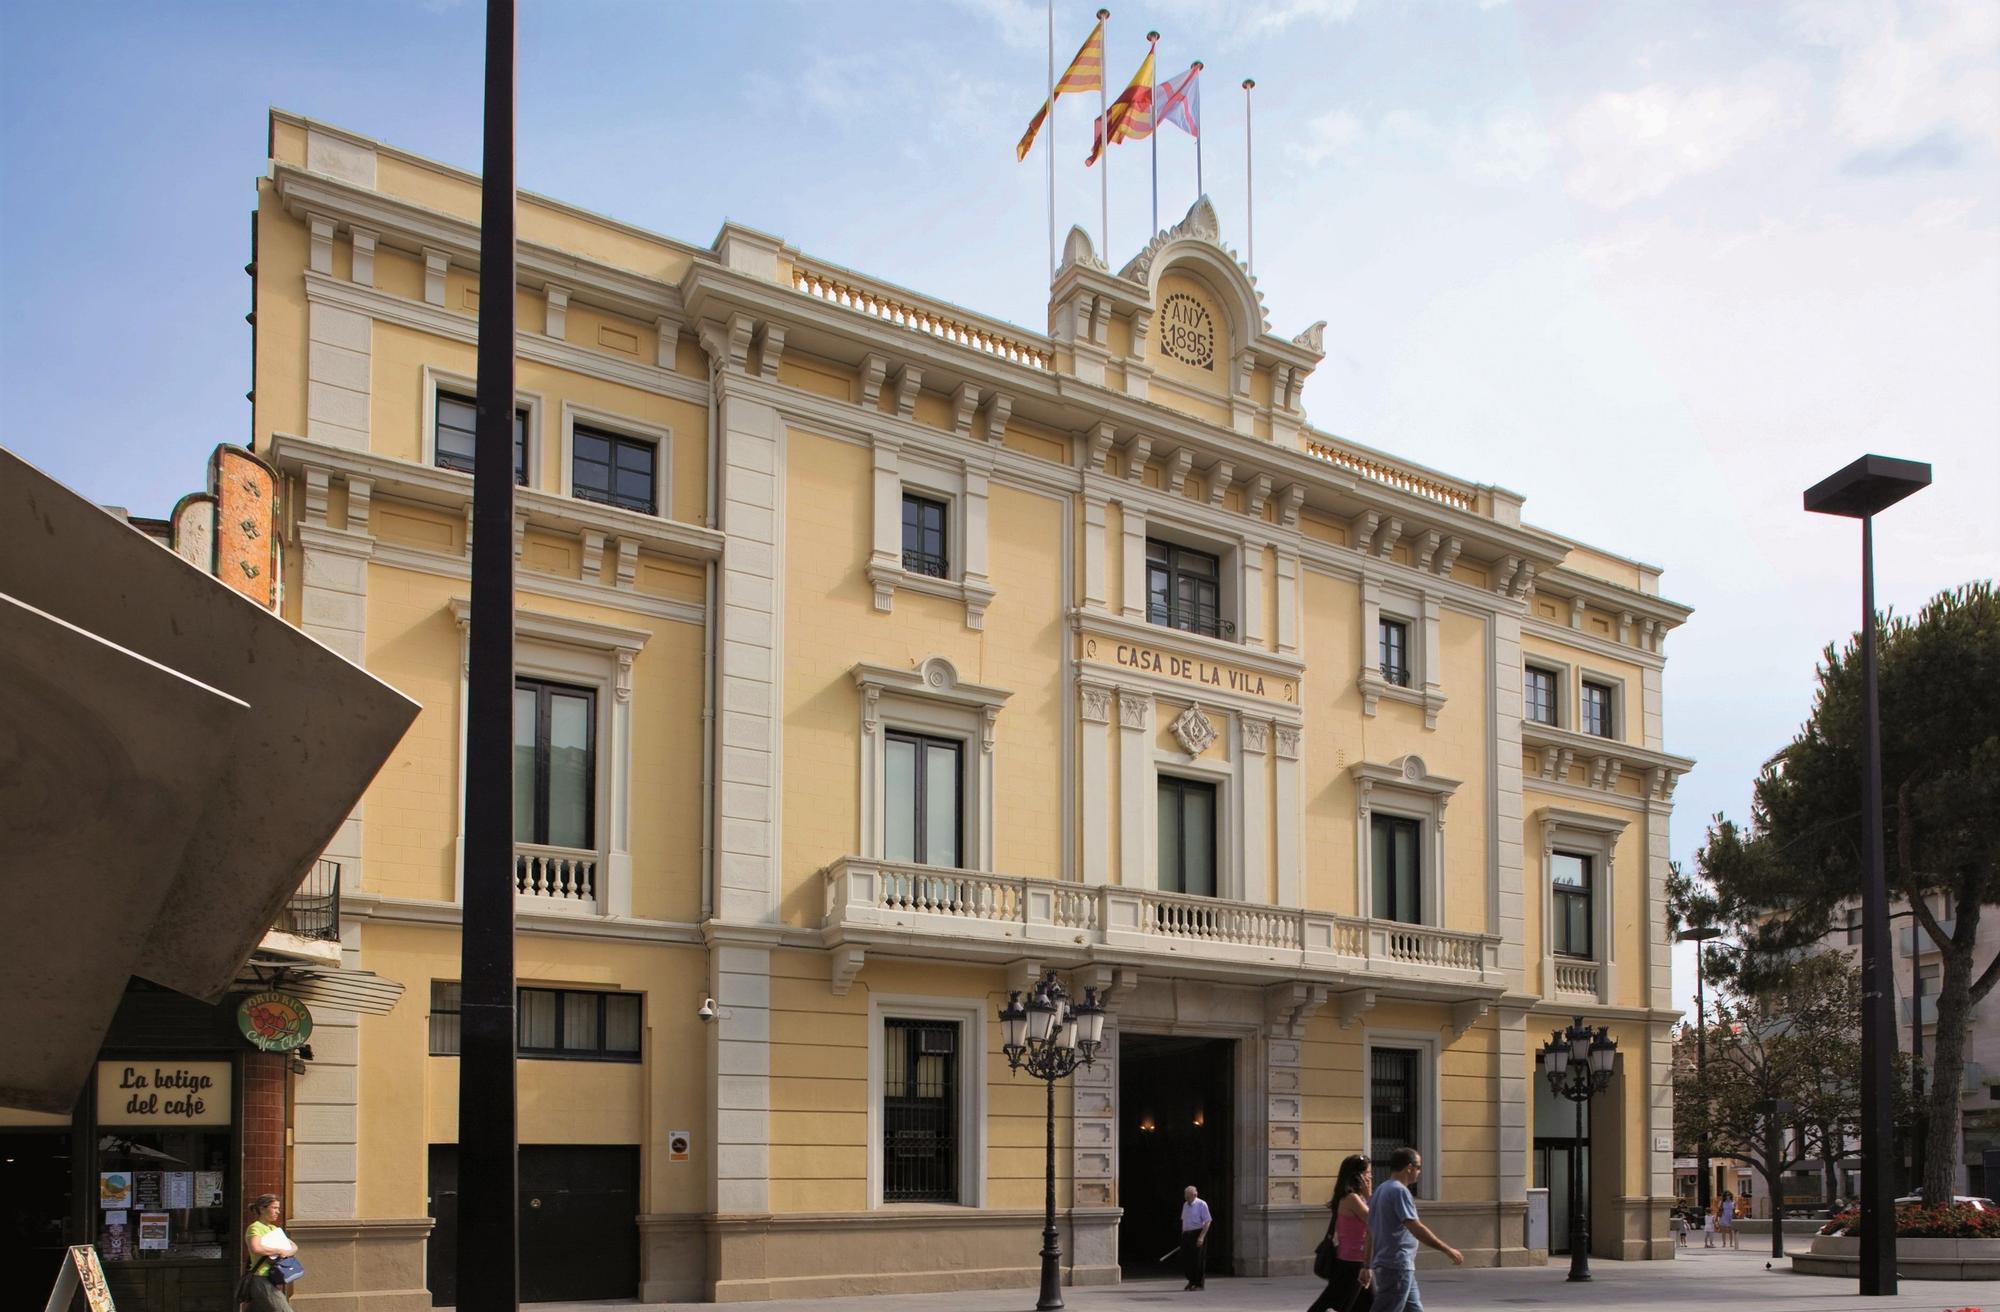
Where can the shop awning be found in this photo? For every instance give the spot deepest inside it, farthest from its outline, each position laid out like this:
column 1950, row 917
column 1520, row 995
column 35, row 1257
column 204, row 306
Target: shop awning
column 343, row 989
column 172, row 759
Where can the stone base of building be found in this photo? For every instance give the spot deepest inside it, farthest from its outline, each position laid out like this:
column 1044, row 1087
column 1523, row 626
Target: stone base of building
column 362, row 1265
column 1643, row 1232
column 737, row 1259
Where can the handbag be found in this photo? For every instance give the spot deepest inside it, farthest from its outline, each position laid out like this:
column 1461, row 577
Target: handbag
column 287, row 1270
column 1323, row 1258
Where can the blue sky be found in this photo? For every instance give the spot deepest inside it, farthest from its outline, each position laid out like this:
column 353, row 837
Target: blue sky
column 1656, row 267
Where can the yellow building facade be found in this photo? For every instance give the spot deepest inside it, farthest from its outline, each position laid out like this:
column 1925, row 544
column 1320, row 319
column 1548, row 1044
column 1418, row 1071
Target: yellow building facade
column 876, row 657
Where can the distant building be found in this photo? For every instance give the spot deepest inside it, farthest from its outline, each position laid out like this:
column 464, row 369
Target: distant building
column 874, row 656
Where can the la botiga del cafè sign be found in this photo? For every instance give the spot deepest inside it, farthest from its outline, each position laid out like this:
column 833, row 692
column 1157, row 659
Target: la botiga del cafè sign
column 150, row 1091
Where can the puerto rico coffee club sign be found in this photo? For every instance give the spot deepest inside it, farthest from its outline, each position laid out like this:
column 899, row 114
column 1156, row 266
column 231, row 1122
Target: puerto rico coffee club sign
column 275, row 1022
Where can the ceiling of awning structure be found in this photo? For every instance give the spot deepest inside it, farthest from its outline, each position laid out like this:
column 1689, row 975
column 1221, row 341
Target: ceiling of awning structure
column 172, row 759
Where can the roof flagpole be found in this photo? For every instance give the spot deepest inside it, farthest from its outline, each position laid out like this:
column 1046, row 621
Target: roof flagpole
column 1154, row 38
column 1249, row 182
column 1052, row 140
column 1104, row 174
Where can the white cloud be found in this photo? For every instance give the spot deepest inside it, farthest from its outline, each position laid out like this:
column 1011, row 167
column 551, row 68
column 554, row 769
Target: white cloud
column 1336, row 132
column 1626, row 146
column 1509, row 146
column 1910, row 74
column 1023, row 25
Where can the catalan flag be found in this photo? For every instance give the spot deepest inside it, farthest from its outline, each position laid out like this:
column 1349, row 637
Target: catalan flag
column 1130, row 117
column 1085, row 73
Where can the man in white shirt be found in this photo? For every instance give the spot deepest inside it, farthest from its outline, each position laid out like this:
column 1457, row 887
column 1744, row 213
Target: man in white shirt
column 1195, row 1220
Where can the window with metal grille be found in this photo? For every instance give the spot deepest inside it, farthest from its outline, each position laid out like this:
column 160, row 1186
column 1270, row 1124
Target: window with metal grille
column 1184, row 589
column 613, row 469
column 564, row 1024
column 457, row 433
column 924, row 782
column 920, row 1111
column 1393, row 1101
column 1395, row 644
column 1187, row 836
column 1569, row 877
column 555, row 764
column 1597, row 710
column 1398, row 868
column 924, row 544
column 1541, row 691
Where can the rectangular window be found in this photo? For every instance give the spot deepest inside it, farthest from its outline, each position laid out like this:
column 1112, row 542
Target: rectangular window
column 1184, row 589
column 1853, row 928
column 1541, row 696
column 1393, row 1101
column 457, row 431
column 1398, row 867
column 555, row 764
column 924, row 784
column 1569, row 877
column 1395, row 644
column 1187, row 836
column 614, row 469
column 558, row 1024
column 924, row 544
column 920, row 1111
column 1597, row 709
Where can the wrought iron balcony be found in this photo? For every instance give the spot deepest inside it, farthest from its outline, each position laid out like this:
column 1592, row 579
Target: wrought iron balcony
column 959, row 908
column 314, row 910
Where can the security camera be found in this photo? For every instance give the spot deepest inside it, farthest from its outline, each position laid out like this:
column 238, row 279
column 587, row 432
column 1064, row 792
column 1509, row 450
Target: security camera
column 707, row 1009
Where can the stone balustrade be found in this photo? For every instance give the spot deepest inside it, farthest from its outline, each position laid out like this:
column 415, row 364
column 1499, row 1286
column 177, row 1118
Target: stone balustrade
column 864, row 895
column 558, row 879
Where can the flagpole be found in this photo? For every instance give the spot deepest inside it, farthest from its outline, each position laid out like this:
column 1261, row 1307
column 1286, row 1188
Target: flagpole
column 1104, row 173
column 1153, row 38
column 1198, row 192
column 1249, row 181
column 1051, row 125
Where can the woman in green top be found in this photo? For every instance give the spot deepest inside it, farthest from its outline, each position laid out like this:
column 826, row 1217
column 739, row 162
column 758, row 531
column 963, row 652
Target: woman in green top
column 266, row 1241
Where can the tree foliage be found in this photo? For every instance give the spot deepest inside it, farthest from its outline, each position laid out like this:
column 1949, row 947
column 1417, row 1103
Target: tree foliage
column 1779, row 881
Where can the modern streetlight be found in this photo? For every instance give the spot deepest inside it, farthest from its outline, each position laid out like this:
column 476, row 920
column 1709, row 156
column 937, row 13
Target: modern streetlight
column 1578, row 1063
column 1699, row 935
column 1861, row 491
column 1050, row 1037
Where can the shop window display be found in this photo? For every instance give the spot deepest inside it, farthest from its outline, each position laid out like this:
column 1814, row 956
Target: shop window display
column 163, row 1194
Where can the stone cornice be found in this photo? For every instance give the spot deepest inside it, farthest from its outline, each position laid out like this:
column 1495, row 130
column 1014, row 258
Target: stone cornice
column 1588, row 745
column 1549, row 631
column 1613, row 596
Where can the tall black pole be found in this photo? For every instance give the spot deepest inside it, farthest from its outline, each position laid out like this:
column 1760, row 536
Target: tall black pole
column 1878, row 1025
column 1702, row 1183
column 1921, row 1141
column 488, row 1258
column 1051, row 1250
column 1579, row 1220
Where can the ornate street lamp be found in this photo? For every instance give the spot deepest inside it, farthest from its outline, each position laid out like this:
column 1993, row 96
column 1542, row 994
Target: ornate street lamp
column 1049, row 1036
column 1861, row 491
column 1578, row 1063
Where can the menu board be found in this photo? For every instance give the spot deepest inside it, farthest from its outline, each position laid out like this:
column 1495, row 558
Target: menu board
column 208, row 1188
column 176, row 1189
column 146, row 1187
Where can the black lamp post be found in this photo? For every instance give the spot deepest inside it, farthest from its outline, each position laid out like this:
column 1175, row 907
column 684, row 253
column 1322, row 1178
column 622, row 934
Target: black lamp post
column 1050, row 1037
column 1578, row 1064
column 1699, row 935
column 1860, row 491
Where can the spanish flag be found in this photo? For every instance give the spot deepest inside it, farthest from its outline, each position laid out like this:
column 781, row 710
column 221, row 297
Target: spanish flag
column 1085, row 73
column 1130, row 117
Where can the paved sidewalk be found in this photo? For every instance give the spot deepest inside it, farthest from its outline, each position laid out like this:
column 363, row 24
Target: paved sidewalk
column 1698, row 1279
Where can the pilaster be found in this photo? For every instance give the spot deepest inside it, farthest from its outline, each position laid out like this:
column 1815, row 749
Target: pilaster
column 1135, row 845
column 1285, row 797
column 339, row 350
column 1133, row 598
column 1254, row 813
column 1512, row 1069
column 740, row 1056
column 1508, row 909
column 1094, row 704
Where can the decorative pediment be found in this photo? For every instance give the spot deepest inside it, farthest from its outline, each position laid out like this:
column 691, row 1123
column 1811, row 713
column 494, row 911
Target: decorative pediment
column 1200, row 232
column 1079, row 252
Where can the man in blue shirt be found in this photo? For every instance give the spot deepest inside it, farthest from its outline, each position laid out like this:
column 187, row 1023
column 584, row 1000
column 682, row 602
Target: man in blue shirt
column 1393, row 1234
column 1195, row 1220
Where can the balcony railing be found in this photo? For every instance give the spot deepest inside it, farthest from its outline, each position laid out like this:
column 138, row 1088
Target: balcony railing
column 314, row 910
column 558, row 879
column 1576, row 978
column 863, row 894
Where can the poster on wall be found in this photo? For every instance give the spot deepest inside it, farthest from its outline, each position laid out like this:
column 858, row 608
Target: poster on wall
column 176, row 1189
column 116, row 1241
column 114, row 1188
column 153, row 1231
column 208, row 1188
column 146, row 1188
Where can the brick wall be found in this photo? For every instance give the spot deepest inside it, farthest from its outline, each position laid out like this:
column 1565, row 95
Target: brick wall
column 264, row 1125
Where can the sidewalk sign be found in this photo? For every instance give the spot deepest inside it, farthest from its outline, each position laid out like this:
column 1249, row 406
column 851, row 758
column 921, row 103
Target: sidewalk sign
column 80, row 1271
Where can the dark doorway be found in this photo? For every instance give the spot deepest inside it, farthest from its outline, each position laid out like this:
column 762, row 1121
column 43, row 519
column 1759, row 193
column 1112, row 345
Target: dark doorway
column 1552, row 1167
column 35, row 1180
column 1176, row 1126
column 579, row 1223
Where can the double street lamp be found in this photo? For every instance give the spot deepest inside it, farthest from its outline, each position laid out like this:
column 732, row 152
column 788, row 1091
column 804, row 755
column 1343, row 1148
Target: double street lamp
column 1860, row 491
column 1049, row 1037
column 1578, row 1062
